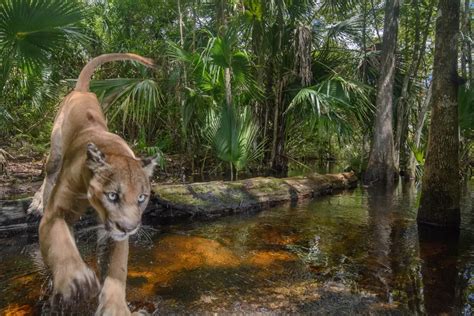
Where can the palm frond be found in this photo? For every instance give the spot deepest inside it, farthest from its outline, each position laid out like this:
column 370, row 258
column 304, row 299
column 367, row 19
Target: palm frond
column 137, row 99
column 233, row 136
column 33, row 30
column 336, row 102
column 339, row 7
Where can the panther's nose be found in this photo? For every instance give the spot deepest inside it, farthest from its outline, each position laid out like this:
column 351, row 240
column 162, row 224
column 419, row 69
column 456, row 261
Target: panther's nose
column 125, row 227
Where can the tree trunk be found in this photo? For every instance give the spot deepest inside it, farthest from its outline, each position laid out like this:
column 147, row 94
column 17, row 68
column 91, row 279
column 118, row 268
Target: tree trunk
column 187, row 142
column 265, row 115
column 228, row 87
column 466, row 59
column 279, row 160
column 364, row 40
column 381, row 166
column 440, row 194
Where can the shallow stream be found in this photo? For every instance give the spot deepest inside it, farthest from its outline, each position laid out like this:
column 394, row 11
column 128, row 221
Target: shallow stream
column 356, row 252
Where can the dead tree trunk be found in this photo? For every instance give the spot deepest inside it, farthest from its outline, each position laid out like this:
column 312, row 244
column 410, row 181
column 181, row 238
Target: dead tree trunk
column 440, row 194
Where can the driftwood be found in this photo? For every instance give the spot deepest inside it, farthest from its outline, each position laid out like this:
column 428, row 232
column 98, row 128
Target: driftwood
column 217, row 198
column 206, row 199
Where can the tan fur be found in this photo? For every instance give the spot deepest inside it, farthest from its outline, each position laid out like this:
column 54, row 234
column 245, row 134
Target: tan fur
column 85, row 164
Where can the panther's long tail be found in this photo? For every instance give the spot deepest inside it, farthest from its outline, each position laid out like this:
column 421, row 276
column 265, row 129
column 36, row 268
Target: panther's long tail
column 84, row 79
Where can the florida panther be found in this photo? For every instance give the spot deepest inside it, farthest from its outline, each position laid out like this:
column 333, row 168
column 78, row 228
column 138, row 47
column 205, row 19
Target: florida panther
column 90, row 166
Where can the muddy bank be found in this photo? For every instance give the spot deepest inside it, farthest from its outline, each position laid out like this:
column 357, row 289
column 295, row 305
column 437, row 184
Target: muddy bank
column 201, row 200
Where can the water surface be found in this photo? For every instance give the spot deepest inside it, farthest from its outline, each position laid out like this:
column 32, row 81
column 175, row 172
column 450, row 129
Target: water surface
column 356, row 252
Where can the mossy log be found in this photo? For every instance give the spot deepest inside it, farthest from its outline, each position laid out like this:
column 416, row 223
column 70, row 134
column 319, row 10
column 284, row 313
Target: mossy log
column 217, row 198
column 206, row 199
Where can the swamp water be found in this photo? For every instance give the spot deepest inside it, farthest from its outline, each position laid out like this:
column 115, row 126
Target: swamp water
column 356, row 252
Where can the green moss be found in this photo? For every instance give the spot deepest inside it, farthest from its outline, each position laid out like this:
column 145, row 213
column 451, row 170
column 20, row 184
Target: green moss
column 224, row 195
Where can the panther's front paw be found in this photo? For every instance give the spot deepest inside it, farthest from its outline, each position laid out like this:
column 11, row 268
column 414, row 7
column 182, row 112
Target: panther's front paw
column 112, row 299
column 113, row 309
column 74, row 281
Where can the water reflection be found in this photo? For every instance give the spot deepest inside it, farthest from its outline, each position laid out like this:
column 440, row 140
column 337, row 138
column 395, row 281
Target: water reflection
column 439, row 253
column 356, row 252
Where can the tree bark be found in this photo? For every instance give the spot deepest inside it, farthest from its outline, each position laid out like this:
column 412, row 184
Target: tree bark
column 278, row 158
column 381, row 165
column 466, row 59
column 228, row 87
column 440, row 194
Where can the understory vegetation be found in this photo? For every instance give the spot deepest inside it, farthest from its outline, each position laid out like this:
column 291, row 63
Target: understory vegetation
column 239, row 86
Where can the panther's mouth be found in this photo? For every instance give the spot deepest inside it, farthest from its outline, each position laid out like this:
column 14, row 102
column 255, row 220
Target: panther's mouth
column 118, row 234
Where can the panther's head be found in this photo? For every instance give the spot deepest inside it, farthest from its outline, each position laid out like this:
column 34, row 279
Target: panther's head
column 119, row 190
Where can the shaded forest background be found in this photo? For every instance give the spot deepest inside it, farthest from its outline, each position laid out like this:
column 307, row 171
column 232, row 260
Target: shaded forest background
column 240, row 86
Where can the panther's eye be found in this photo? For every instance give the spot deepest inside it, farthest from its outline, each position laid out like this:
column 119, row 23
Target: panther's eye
column 141, row 198
column 112, row 196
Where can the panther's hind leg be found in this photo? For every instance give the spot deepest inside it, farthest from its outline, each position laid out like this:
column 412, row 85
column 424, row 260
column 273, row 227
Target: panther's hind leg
column 53, row 166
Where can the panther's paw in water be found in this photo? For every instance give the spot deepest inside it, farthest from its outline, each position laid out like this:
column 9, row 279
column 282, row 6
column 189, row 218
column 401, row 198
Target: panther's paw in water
column 74, row 281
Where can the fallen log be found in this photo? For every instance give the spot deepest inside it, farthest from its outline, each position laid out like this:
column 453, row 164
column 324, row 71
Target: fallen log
column 203, row 200
column 217, row 198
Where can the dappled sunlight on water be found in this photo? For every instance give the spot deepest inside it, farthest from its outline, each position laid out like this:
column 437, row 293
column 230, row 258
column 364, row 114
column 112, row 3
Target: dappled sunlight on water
column 173, row 255
column 355, row 252
column 17, row 310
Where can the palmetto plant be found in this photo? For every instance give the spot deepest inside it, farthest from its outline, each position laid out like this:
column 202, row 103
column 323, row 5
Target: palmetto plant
column 230, row 130
column 335, row 101
column 419, row 154
column 134, row 100
column 233, row 136
column 33, row 30
column 206, row 68
column 32, row 33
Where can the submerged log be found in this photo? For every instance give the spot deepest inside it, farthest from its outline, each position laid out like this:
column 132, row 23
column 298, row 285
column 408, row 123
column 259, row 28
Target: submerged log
column 217, row 198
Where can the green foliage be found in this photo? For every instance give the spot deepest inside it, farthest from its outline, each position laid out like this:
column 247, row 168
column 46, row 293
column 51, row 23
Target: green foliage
column 32, row 30
column 335, row 101
column 233, row 136
column 419, row 153
column 32, row 34
column 303, row 74
column 144, row 148
column 135, row 101
column 466, row 110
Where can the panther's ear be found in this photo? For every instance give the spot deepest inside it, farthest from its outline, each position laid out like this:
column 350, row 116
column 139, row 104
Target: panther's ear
column 150, row 163
column 95, row 158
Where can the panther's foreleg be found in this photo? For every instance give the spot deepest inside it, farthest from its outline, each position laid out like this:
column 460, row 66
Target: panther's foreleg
column 71, row 276
column 112, row 299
